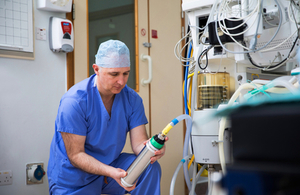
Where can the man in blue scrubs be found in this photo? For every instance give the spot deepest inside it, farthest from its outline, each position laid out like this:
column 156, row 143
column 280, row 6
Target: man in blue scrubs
column 93, row 119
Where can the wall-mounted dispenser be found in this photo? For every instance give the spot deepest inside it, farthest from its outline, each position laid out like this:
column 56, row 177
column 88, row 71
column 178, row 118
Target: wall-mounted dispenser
column 61, row 36
column 55, row 5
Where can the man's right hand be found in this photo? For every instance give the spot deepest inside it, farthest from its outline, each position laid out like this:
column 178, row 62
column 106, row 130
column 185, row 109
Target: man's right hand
column 117, row 174
column 75, row 149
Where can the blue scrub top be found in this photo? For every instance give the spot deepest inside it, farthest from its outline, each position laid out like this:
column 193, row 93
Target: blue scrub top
column 82, row 112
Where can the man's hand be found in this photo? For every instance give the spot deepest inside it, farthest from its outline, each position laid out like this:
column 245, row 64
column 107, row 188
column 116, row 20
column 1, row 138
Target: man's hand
column 117, row 174
column 75, row 149
column 158, row 153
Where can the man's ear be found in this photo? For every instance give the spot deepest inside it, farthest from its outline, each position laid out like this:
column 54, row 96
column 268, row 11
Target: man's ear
column 96, row 69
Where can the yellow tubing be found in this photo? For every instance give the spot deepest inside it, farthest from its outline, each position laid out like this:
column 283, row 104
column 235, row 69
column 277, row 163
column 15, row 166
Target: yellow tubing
column 166, row 130
column 190, row 96
column 190, row 99
column 191, row 161
column 190, row 75
column 204, row 173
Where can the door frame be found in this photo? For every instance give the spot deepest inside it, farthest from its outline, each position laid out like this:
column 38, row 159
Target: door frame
column 70, row 57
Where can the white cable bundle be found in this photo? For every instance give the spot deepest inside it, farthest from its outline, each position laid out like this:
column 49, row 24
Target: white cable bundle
column 225, row 12
column 178, row 51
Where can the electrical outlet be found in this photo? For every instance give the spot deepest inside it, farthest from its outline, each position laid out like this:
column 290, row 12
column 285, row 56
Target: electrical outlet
column 35, row 173
column 6, row 177
column 41, row 34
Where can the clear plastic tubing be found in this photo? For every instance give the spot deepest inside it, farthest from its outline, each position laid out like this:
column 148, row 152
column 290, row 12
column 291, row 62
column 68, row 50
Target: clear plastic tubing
column 285, row 84
column 192, row 191
column 186, row 146
column 172, row 186
column 194, row 179
column 281, row 81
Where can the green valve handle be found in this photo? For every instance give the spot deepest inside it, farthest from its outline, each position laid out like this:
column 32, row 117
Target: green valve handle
column 157, row 141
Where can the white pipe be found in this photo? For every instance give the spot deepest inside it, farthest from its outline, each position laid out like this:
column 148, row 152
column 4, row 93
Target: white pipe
column 284, row 81
column 290, row 79
column 259, row 81
column 285, row 84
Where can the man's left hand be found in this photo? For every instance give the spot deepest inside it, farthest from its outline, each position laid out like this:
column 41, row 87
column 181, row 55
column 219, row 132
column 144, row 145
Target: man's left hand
column 158, row 153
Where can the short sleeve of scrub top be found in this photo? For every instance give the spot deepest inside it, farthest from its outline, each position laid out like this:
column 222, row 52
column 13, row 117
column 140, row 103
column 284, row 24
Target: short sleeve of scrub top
column 71, row 118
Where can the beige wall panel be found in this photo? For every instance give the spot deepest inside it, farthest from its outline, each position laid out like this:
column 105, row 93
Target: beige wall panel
column 143, row 65
column 166, row 87
column 80, row 40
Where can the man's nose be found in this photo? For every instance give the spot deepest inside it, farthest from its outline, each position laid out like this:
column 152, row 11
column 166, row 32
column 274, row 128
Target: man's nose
column 121, row 80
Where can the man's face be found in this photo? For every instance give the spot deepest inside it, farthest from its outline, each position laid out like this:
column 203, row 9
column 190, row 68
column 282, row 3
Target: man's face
column 111, row 80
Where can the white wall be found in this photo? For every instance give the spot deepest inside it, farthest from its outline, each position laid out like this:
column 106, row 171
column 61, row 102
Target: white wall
column 30, row 91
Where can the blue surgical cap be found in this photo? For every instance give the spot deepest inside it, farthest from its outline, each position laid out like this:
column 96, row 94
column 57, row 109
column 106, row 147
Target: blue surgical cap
column 113, row 54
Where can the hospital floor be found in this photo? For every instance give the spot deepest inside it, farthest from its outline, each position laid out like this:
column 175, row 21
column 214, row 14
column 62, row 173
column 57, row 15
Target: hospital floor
column 201, row 189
